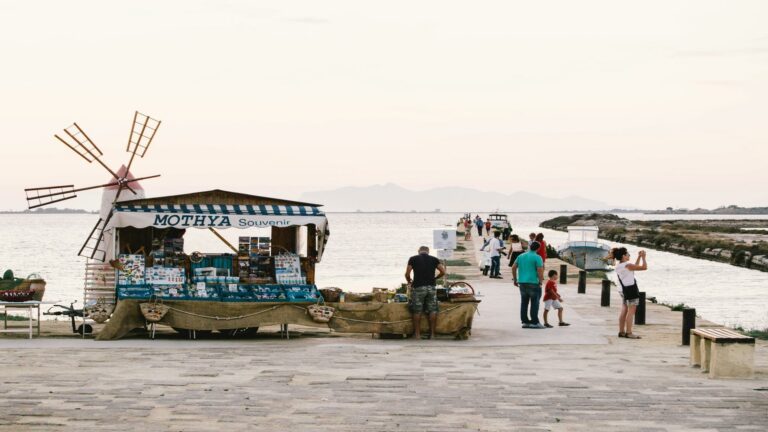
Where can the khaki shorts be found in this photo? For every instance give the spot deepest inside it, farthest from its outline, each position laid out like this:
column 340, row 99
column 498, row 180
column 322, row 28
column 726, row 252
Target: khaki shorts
column 633, row 302
column 423, row 299
column 549, row 304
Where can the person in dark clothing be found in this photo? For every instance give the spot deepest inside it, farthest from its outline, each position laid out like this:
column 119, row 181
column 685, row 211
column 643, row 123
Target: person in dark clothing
column 423, row 291
column 505, row 233
column 515, row 248
column 479, row 224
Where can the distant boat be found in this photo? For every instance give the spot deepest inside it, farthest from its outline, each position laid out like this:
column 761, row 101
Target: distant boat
column 498, row 221
column 584, row 250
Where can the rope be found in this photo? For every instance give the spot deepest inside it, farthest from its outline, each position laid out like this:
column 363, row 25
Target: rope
column 217, row 318
column 386, row 322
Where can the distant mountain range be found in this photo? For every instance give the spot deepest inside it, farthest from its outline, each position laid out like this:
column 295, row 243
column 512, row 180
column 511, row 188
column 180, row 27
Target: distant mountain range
column 391, row 197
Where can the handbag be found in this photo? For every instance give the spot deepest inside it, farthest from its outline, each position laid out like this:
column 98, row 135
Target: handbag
column 630, row 292
column 321, row 314
column 99, row 312
column 154, row 311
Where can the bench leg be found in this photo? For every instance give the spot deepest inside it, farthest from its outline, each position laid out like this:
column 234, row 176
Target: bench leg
column 695, row 350
column 706, row 354
column 732, row 360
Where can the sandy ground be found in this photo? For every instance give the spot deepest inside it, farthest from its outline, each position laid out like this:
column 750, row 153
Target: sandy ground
column 503, row 378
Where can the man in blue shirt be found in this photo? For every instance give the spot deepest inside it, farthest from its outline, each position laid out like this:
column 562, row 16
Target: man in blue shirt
column 528, row 273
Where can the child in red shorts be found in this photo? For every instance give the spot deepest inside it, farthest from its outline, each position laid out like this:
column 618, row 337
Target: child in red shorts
column 552, row 300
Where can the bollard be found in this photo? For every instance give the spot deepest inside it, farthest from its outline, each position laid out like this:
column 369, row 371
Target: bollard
column 582, row 282
column 563, row 274
column 689, row 322
column 640, row 313
column 605, row 296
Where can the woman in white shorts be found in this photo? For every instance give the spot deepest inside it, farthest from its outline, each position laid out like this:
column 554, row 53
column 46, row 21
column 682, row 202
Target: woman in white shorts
column 630, row 293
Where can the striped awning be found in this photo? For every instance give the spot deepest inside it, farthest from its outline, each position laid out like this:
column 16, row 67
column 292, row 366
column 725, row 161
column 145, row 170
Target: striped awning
column 221, row 216
column 266, row 210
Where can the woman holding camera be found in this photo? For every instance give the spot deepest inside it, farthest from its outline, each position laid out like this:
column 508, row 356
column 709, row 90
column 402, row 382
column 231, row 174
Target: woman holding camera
column 630, row 293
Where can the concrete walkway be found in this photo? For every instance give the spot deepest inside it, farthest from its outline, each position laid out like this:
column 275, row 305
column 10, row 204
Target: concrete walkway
column 578, row 378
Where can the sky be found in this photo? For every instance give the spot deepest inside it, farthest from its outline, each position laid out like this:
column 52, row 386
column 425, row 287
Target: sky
column 648, row 104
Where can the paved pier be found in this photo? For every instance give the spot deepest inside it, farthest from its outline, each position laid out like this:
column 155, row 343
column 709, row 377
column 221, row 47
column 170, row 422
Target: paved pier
column 577, row 378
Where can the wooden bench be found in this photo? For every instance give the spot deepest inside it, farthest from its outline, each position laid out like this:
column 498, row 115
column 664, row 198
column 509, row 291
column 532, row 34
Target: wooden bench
column 731, row 356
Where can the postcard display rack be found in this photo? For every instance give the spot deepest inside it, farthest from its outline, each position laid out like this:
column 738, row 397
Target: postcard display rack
column 251, row 276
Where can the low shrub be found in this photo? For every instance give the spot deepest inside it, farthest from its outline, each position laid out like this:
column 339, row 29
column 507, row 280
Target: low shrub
column 757, row 334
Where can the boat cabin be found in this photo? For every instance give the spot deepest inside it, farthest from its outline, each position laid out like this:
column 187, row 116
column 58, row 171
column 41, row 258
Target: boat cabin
column 583, row 234
column 498, row 220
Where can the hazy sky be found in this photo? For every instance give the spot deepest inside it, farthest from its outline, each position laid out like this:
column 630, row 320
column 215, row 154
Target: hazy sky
column 643, row 103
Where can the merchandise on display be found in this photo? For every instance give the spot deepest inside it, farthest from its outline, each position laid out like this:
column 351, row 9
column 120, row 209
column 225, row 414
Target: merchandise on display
column 215, row 277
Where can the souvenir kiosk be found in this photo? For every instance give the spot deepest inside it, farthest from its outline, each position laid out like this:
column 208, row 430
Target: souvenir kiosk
column 265, row 280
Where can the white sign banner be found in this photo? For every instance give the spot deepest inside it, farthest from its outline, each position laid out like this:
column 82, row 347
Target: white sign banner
column 218, row 221
column 444, row 239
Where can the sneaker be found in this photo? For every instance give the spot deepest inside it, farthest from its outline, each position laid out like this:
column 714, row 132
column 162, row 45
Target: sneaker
column 563, row 324
column 526, row 325
column 548, row 325
column 537, row 326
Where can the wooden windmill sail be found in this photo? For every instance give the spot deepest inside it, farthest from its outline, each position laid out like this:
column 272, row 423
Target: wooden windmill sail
column 143, row 131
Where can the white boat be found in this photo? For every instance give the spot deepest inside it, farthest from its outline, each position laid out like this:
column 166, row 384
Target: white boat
column 584, row 250
column 498, row 221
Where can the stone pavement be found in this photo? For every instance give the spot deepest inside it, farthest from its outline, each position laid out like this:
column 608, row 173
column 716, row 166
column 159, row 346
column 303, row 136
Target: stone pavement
column 579, row 378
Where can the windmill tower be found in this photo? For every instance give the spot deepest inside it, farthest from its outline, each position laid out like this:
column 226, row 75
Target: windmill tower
column 98, row 246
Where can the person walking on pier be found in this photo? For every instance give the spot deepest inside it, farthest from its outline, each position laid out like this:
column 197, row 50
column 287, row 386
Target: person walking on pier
column 488, row 227
column 479, row 225
column 495, row 246
column 423, row 292
column 515, row 248
column 467, row 229
column 505, row 233
column 630, row 293
column 552, row 300
column 542, row 247
column 531, row 239
column 528, row 273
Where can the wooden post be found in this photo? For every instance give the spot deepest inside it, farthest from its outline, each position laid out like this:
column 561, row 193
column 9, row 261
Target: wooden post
column 563, row 274
column 689, row 322
column 605, row 295
column 640, row 313
column 582, row 282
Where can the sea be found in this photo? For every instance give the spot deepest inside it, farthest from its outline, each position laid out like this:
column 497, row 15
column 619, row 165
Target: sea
column 367, row 250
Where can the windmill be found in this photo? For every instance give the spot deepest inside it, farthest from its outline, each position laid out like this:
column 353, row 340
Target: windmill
column 143, row 130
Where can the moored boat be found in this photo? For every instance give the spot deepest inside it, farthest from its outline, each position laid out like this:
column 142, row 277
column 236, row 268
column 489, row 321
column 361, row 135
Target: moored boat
column 584, row 250
column 498, row 221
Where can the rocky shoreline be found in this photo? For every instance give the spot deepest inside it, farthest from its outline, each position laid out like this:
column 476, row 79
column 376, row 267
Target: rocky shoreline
column 742, row 243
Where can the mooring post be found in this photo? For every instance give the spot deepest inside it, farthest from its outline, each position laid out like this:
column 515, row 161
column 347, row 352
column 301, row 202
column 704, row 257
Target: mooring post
column 605, row 295
column 582, row 282
column 563, row 274
column 689, row 322
column 640, row 313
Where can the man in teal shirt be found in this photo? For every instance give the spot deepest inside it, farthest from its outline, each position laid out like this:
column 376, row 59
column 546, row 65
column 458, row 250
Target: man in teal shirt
column 528, row 273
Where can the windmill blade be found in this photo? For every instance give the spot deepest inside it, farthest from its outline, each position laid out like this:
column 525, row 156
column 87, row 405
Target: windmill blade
column 39, row 197
column 42, row 196
column 91, row 247
column 82, row 144
column 143, row 130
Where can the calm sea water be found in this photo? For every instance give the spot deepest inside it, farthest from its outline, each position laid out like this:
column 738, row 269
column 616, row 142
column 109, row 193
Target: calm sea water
column 371, row 250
